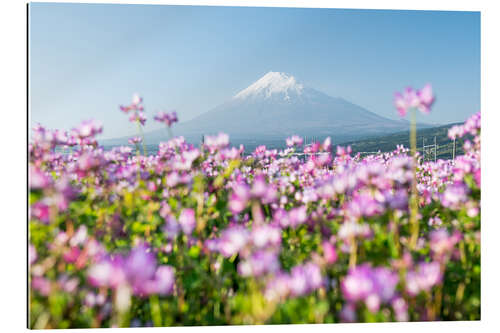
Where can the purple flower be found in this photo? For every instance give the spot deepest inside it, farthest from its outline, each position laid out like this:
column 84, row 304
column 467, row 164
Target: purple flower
column 80, row 236
column 358, row 284
column 454, row 195
column 108, row 272
column 294, row 140
column 426, row 98
column 348, row 313
column 298, row 281
column 41, row 284
column 136, row 104
column 68, row 284
column 38, row 178
column 140, row 266
column 386, row 282
column 313, row 275
column 297, row 216
column 423, row 278
column 329, row 253
column 265, row 235
column 88, row 161
column 88, row 128
column 40, row 211
column 400, row 308
column 442, row 243
column 32, row 255
column 259, row 186
column 239, row 198
column 353, row 229
column 278, row 287
column 260, row 151
column 259, row 263
column 65, row 192
column 166, row 118
column 397, row 200
column 187, row 220
column 233, row 240
column 370, row 285
column 280, row 216
column 327, row 144
column 456, row 131
column 219, row 141
column 364, row 205
column 135, row 140
column 172, row 227
column 138, row 117
column 421, row 99
column 304, row 279
column 72, row 254
column 409, row 99
column 164, row 280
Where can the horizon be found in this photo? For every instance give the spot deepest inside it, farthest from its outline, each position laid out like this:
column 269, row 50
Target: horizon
column 92, row 60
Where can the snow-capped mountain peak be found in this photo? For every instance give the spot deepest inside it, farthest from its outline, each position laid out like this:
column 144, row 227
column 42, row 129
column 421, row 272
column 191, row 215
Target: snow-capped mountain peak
column 273, row 84
column 277, row 106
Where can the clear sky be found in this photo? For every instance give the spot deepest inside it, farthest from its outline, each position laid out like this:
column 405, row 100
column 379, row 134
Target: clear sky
column 86, row 59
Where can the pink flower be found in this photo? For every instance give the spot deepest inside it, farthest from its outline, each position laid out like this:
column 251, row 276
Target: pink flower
column 423, row 278
column 167, row 118
column 426, row 98
column 38, row 178
column 329, row 253
column 72, row 255
column 294, row 140
column 187, row 220
column 40, row 211
column 297, row 216
column 239, row 198
column 135, row 140
column 136, row 104
column 88, row 129
column 442, row 243
column 164, row 280
column 371, row 285
column 41, row 284
column 216, row 142
column 138, row 117
column 265, row 235
column 421, row 99
column 233, row 240
column 32, row 254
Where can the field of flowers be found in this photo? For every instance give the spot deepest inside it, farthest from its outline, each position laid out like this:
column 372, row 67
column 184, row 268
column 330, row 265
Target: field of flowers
column 203, row 235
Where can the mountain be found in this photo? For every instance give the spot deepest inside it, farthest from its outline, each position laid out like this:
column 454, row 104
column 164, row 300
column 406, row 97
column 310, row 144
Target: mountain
column 277, row 106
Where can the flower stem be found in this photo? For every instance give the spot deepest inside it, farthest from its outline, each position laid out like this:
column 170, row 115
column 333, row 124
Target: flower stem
column 257, row 215
column 142, row 137
column 155, row 310
column 414, row 195
column 353, row 252
column 395, row 235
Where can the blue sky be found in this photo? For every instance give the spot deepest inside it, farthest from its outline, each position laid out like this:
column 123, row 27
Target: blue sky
column 86, row 59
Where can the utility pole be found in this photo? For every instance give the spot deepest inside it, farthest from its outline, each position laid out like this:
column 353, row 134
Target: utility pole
column 435, row 149
column 454, row 145
column 423, row 148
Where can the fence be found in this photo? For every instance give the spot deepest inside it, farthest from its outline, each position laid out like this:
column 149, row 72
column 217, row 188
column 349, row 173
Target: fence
column 429, row 152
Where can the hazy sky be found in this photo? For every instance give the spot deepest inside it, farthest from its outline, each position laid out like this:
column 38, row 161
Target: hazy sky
column 86, row 59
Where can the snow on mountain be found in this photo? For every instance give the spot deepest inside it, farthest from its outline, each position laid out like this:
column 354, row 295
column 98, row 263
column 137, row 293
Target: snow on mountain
column 276, row 106
column 273, row 83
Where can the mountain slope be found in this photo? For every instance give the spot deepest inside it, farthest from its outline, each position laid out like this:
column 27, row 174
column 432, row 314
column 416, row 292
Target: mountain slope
column 277, row 106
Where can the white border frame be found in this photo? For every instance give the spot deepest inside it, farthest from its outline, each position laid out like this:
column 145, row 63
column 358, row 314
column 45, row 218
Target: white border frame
column 14, row 160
